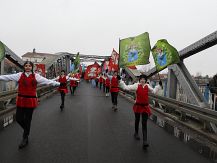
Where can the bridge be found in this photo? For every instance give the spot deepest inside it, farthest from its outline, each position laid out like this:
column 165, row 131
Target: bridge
column 89, row 131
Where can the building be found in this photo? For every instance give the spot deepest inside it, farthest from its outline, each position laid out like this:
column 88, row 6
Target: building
column 36, row 57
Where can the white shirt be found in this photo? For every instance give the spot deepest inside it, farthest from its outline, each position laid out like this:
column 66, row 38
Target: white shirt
column 40, row 79
column 67, row 78
column 158, row 90
column 133, row 87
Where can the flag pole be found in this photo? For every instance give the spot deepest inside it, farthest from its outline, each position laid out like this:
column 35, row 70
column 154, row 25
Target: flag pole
column 119, row 50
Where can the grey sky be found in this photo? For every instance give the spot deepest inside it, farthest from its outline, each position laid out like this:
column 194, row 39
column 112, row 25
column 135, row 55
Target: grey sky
column 95, row 26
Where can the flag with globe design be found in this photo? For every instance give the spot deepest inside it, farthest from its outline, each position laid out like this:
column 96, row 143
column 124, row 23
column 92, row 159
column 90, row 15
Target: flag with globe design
column 164, row 54
column 135, row 50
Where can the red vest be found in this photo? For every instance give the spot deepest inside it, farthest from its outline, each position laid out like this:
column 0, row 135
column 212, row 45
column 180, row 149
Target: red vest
column 64, row 86
column 73, row 83
column 107, row 82
column 114, row 85
column 142, row 95
column 27, row 92
column 142, row 103
column 100, row 79
column 103, row 81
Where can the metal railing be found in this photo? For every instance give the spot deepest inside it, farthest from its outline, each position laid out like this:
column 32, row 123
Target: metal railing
column 199, row 113
column 10, row 95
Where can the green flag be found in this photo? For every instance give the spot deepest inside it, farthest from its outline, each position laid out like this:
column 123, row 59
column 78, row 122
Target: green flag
column 77, row 62
column 164, row 54
column 135, row 50
column 2, row 51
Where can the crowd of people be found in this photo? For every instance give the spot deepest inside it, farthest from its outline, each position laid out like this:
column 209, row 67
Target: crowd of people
column 110, row 84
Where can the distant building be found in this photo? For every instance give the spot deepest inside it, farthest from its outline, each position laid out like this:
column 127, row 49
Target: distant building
column 36, row 57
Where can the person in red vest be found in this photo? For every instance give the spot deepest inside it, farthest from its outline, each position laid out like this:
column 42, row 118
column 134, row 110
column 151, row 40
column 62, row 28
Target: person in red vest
column 73, row 84
column 107, row 86
column 78, row 77
column 63, row 86
column 114, row 89
column 100, row 81
column 141, row 107
column 26, row 99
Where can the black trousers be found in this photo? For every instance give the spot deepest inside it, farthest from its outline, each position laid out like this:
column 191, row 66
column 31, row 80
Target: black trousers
column 24, row 118
column 103, row 87
column 72, row 89
column 144, row 124
column 106, row 89
column 62, row 94
column 100, row 85
column 114, row 96
column 96, row 83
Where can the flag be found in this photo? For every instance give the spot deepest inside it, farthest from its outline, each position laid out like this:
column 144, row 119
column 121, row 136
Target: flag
column 164, row 54
column 106, row 65
column 40, row 69
column 135, row 50
column 2, row 51
column 92, row 71
column 113, row 61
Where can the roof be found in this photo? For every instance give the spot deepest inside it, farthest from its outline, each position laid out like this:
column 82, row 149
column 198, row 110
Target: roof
column 50, row 60
column 37, row 55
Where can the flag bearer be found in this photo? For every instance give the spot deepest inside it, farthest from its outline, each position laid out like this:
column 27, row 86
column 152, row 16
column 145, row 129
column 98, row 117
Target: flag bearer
column 141, row 107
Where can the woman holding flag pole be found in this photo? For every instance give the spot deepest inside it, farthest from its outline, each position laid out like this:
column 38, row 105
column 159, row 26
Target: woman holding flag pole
column 141, row 107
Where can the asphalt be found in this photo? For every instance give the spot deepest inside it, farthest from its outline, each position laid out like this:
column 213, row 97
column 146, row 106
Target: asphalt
column 88, row 131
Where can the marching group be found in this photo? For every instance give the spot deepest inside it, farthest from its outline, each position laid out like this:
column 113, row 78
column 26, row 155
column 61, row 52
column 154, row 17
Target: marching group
column 27, row 96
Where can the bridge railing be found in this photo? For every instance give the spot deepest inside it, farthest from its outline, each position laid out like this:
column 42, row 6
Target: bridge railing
column 7, row 96
column 181, row 109
column 8, row 101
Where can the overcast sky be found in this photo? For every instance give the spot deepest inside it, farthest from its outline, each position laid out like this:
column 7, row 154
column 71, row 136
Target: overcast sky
column 95, row 26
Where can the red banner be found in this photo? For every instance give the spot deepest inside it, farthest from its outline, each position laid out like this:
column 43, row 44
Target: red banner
column 113, row 61
column 92, row 71
column 40, row 69
column 106, row 65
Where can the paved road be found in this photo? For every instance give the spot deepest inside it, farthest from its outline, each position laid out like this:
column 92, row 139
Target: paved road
column 89, row 131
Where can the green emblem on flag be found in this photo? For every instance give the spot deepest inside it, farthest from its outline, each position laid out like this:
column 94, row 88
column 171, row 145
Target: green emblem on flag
column 164, row 54
column 2, row 51
column 135, row 50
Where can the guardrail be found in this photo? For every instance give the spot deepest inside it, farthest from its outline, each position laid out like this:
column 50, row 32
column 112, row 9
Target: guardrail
column 203, row 115
column 7, row 114
column 41, row 90
column 4, row 96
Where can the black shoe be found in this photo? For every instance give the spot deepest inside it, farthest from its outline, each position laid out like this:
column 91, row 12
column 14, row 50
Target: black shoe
column 23, row 143
column 145, row 145
column 61, row 107
column 115, row 108
column 136, row 136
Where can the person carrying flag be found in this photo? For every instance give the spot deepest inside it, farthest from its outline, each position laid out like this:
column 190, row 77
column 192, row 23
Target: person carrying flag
column 141, row 107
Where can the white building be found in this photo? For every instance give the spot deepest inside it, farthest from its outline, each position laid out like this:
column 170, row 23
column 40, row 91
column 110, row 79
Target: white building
column 36, row 57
